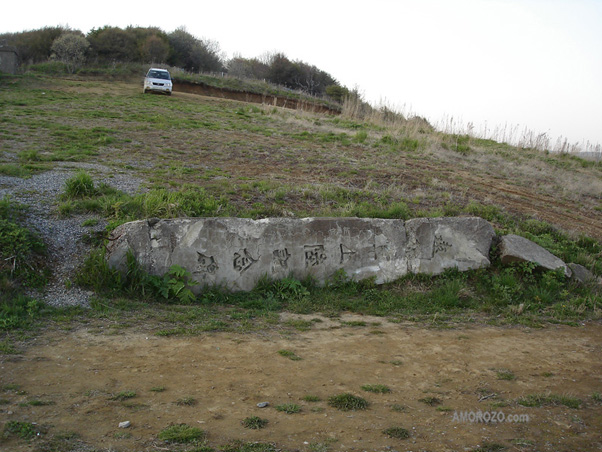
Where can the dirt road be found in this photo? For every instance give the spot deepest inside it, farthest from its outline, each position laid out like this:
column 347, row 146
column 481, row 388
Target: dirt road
column 214, row 381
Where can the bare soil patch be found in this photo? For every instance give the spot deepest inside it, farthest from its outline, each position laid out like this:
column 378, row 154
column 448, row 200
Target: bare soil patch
column 225, row 375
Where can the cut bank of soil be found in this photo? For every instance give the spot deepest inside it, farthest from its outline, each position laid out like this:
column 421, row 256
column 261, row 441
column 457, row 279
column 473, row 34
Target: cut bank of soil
column 227, row 374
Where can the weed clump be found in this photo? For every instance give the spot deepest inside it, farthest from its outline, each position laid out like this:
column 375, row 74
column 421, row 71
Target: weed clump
column 181, row 433
column 123, row 395
column 348, row 402
column 289, row 408
column 397, row 432
column 254, row 422
column 80, row 186
column 21, row 429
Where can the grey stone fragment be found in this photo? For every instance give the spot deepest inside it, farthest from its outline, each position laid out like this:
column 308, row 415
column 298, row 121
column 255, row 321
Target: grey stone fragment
column 125, row 424
column 263, row 404
column 581, row 274
column 514, row 248
column 437, row 244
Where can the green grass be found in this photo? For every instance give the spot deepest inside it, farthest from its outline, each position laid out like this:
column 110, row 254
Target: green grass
column 539, row 400
column 505, row 374
column 181, row 434
column 348, row 402
column 311, row 398
column 123, row 395
column 288, row 408
column 378, row 389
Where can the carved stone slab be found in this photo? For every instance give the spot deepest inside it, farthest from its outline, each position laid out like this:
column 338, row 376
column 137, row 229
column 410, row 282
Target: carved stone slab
column 236, row 252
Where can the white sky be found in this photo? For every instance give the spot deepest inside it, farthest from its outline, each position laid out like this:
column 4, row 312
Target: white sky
column 533, row 63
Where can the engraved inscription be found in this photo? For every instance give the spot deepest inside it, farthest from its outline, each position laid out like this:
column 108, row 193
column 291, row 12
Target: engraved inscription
column 280, row 257
column 206, row 264
column 346, row 253
column 382, row 252
column 314, row 255
column 243, row 260
column 440, row 245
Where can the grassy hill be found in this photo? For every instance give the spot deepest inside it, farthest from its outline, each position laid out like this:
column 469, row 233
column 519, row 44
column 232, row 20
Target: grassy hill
column 263, row 161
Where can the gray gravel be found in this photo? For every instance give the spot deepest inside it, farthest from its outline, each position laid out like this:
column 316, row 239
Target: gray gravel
column 63, row 236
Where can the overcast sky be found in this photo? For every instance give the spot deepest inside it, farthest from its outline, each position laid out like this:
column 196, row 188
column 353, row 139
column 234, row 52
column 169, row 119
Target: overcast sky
column 532, row 63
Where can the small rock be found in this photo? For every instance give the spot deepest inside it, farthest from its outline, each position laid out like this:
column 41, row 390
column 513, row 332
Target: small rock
column 262, row 404
column 581, row 274
column 125, row 424
column 514, row 248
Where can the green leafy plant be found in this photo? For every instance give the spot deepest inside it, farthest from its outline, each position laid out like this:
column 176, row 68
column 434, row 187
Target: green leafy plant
column 176, row 284
column 21, row 429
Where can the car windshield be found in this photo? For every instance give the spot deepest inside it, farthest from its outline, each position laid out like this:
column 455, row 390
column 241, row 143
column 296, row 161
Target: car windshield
column 164, row 75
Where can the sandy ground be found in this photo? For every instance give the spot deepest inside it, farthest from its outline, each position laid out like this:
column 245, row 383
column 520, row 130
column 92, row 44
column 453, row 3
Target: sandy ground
column 228, row 374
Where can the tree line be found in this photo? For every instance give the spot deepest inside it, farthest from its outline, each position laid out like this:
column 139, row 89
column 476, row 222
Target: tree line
column 179, row 48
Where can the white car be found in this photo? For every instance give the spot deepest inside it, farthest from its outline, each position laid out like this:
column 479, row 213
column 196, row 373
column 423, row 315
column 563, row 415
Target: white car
column 158, row 80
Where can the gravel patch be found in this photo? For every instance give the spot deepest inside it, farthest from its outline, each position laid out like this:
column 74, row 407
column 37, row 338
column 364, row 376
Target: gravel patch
column 63, row 236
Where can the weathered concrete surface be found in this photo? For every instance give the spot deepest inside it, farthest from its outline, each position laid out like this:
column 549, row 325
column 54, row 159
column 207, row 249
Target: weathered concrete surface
column 514, row 248
column 237, row 252
column 436, row 244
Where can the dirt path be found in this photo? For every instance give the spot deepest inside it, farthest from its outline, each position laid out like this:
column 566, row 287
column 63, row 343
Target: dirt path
column 228, row 374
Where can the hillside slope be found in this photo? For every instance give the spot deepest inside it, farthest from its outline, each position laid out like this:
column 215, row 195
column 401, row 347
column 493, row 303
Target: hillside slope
column 267, row 161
